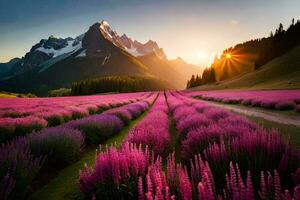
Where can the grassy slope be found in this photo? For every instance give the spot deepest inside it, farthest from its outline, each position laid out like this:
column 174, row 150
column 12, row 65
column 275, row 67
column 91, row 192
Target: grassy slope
column 282, row 72
column 3, row 95
column 64, row 185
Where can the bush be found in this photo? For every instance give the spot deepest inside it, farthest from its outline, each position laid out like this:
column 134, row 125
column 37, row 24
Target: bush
column 123, row 114
column 28, row 124
column 78, row 113
column 61, row 145
column 97, row 128
column 59, row 92
column 285, row 105
column 55, row 120
column 18, row 168
column 231, row 101
column 298, row 108
column 246, row 102
column 135, row 111
column 12, row 127
column 7, row 129
column 191, row 122
column 268, row 104
column 256, row 103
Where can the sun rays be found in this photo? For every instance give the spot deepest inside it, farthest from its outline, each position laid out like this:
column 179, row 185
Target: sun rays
column 232, row 62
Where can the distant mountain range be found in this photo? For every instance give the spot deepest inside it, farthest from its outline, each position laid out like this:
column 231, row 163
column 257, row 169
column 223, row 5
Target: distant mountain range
column 55, row 62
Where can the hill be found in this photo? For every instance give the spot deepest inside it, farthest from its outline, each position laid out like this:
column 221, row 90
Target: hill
column 280, row 73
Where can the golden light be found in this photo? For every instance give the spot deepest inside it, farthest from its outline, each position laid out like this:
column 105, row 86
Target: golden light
column 228, row 56
column 232, row 63
column 201, row 55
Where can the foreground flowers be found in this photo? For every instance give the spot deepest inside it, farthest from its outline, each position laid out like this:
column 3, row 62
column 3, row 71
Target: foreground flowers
column 131, row 172
column 22, row 158
column 224, row 156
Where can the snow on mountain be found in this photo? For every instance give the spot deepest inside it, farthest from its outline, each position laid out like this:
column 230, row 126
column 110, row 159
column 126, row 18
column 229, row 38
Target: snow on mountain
column 105, row 27
column 81, row 54
column 52, row 50
column 135, row 48
column 57, row 52
column 56, row 47
column 134, row 52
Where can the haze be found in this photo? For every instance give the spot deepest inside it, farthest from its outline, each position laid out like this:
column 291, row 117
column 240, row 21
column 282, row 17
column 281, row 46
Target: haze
column 193, row 30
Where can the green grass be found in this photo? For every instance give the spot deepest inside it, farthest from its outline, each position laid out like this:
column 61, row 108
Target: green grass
column 175, row 141
column 64, row 185
column 2, row 95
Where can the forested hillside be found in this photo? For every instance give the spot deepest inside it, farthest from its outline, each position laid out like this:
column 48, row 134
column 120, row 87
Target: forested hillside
column 250, row 56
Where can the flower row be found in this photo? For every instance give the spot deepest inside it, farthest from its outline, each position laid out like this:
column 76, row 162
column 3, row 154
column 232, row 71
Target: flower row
column 153, row 130
column 34, row 114
column 131, row 173
column 22, row 158
column 222, row 137
column 273, row 99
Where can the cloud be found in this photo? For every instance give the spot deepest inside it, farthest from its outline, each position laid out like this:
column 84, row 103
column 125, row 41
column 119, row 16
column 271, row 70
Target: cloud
column 234, row 22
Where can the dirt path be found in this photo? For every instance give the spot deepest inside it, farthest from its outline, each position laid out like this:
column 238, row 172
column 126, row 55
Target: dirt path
column 267, row 115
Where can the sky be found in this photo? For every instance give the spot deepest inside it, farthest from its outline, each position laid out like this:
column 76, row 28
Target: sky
column 195, row 30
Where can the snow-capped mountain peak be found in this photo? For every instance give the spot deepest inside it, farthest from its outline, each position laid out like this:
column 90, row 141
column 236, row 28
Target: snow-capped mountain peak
column 99, row 41
column 107, row 30
column 135, row 48
column 71, row 45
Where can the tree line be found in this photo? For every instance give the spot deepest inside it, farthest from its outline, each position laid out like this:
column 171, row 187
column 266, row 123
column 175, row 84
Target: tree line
column 117, row 84
column 263, row 50
column 208, row 76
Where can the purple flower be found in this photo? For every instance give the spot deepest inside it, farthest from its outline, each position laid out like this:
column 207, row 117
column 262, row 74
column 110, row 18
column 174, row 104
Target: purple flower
column 153, row 130
column 18, row 167
column 114, row 166
column 97, row 127
column 59, row 144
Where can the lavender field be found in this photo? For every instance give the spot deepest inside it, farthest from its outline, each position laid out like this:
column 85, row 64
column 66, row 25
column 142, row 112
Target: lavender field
column 269, row 99
column 174, row 147
column 150, row 100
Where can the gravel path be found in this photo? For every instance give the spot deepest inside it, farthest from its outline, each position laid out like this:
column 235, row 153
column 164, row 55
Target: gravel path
column 268, row 115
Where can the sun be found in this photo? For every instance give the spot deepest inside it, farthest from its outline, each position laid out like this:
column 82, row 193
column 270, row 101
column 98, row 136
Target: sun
column 228, row 56
column 201, row 55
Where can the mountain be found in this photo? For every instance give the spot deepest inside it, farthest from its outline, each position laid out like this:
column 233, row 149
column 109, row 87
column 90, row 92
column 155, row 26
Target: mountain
column 58, row 62
column 138, row 49
column 176, row 72
column 7, row 67
column 185, row 69
column 280, row 73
